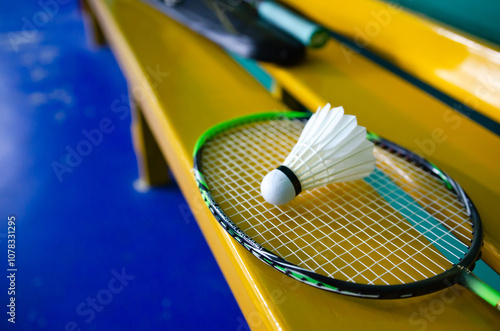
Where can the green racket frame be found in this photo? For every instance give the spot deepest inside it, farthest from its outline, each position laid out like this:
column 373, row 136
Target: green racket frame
column 458, row 273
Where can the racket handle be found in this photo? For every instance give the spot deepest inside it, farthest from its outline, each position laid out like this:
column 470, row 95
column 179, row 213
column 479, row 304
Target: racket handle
column 480, row 288
column 307, row 32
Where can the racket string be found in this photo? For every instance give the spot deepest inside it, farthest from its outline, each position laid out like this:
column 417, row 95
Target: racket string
column 434, row 193
column 325, row 238
column 388, row 241
column 431, row 243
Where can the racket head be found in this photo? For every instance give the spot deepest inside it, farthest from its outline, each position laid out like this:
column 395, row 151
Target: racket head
column 230, row 153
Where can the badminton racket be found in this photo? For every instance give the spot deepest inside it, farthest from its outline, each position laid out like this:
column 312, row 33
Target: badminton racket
column 408, row 229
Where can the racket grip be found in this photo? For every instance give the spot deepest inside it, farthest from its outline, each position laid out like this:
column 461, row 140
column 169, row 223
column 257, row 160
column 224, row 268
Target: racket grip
column 307, row 32
column 480, row 288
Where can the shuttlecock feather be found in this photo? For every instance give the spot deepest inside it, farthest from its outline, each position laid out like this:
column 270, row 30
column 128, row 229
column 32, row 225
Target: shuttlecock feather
column 332, row 148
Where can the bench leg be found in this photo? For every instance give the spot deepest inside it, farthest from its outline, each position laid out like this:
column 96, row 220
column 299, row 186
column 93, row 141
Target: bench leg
column 92, row 29
column 153, row 168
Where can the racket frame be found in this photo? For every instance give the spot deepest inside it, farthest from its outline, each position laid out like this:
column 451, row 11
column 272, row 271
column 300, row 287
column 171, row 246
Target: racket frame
column 421, row 287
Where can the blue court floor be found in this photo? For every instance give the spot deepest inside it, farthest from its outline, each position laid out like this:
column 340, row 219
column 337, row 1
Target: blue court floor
column 93, row 249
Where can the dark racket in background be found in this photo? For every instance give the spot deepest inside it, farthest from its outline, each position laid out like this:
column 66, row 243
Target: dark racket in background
column 236, row 27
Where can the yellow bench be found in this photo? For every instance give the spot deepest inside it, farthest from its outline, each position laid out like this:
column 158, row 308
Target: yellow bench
column 182, row 85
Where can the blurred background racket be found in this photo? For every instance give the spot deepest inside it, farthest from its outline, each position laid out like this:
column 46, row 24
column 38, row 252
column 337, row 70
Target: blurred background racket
column 408, row 229
column 260, row 30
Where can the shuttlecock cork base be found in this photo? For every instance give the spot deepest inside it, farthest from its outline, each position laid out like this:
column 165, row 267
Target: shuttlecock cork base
column 280, row 186
column 332, row 148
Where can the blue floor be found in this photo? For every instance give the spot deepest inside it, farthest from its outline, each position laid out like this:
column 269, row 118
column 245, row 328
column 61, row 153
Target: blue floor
column 92, row 251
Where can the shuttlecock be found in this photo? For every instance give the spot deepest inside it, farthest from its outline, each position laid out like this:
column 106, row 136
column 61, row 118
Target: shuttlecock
column 332, row 148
